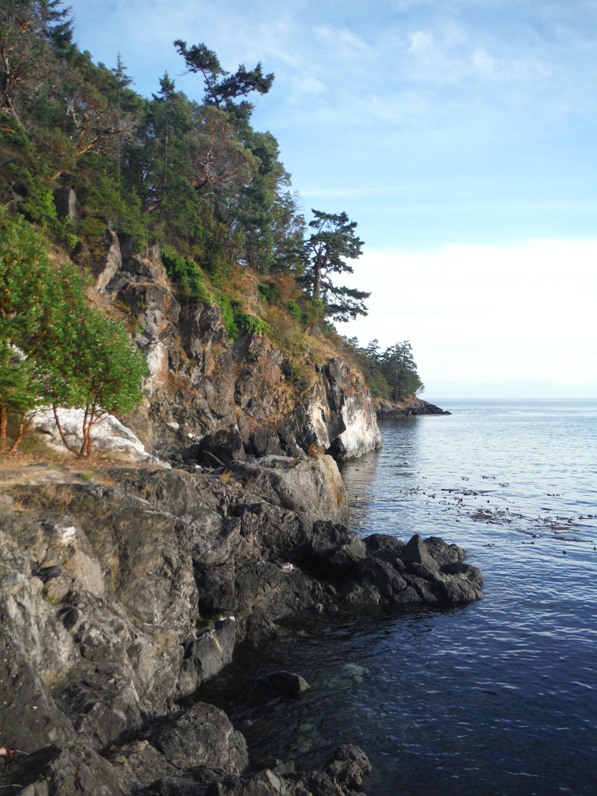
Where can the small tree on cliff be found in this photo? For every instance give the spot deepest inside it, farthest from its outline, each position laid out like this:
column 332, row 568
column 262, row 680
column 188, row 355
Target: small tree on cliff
column 108, row 373
column 222, row 88
column 54, row 349
column 332, row 242
column 86, row 360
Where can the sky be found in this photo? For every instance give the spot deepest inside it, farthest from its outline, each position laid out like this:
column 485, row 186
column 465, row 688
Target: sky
column 460, row 135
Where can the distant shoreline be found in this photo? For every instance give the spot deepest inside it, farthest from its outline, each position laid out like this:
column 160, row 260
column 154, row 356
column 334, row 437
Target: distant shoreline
column 410, row 407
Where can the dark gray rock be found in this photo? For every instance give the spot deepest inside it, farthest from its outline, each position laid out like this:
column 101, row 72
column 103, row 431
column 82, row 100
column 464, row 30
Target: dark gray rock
column 200, row 735
column 68, row 771
column 264, row 441
column 221, row 449
column 334, row 550
column 206, row 654
column 348, row 766
column 103, row 591
column 337, row 450
column 287, row 683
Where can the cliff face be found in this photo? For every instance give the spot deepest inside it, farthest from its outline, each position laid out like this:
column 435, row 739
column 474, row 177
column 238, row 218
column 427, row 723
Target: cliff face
column 200, row 381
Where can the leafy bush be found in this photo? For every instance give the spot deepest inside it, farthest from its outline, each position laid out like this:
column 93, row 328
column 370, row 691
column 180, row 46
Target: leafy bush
column 228, row 314
column 296, row 312
column 54, row 348
column 186, row 275
column 251, row 324
column 269, row 291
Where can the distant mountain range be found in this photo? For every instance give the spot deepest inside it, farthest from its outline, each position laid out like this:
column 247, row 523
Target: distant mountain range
column 435, row 391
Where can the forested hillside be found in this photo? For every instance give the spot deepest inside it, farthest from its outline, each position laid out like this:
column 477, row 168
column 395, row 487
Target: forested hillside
column 85, row 158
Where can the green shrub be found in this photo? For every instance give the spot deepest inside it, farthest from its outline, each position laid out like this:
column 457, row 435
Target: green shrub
column 251, row 324
column 296, row 312
column 228, row 314
column 186, row 275
column 269, row 292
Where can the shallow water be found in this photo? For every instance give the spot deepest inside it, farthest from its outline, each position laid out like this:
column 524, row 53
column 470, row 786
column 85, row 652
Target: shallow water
column 497, row 697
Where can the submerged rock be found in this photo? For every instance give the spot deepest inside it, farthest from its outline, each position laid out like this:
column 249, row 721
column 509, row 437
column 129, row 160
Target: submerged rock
column 284, row 682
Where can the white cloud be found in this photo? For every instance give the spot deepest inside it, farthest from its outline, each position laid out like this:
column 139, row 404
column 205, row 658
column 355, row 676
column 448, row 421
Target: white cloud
column 421, row 43
column 344, row 41
column 486, row 312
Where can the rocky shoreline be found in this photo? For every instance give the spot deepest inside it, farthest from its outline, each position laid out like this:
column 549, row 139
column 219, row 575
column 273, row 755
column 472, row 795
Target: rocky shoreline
column 388, row 410
column 123, row 589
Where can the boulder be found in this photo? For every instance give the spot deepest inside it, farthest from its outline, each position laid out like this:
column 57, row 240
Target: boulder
column 334, row 551
column 287, row 683
column 200, row 735
column 71, row 770
column 109, row 434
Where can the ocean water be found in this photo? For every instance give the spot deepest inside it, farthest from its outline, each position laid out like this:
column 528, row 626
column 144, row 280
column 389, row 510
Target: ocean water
column 495, row 697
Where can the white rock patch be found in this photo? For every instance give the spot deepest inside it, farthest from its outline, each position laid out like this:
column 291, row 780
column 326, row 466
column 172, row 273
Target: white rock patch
column 109, row 434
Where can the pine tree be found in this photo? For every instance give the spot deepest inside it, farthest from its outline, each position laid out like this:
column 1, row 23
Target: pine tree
column 326, row 251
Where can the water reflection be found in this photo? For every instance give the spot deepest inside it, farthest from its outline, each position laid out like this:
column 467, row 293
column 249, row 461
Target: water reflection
column 495, row 697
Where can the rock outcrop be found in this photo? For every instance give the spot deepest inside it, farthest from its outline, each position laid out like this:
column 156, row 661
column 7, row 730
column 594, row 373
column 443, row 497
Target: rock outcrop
column 201, row 382
column 122, row 592
column 409, row 407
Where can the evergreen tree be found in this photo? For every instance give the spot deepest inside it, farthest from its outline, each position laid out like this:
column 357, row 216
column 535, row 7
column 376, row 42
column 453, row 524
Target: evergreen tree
column 222, row 88
column 332, row 242
column 33, row 33
column 400, row 370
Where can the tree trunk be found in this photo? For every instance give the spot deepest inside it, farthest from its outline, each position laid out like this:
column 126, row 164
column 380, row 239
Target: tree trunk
column 25, row 421
column 60, row 431
column 3, row 427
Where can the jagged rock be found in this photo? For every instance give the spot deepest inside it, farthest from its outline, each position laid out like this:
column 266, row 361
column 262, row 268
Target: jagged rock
column 201, row 382
column 221, row 449
column 425, row 571
column 337, row 450
column 343, row 775
column 348, row 766
column 267, row 442
column 340, row 407
column 334, row 550
column 407, row 408
column 307, row 486
column 71, row 770
column 207, row 654
column 200, row 735
column 287, row 683
column 102, row 585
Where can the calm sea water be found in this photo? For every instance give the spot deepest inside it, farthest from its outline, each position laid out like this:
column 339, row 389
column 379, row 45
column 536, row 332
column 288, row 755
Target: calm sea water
column 496, row 697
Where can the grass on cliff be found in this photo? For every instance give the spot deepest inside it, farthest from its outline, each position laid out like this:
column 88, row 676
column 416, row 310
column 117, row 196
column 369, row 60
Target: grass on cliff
column 272, row 306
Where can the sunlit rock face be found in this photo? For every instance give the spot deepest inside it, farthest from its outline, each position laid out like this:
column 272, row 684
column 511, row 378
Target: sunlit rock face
column 341, row 407
column 109, row 434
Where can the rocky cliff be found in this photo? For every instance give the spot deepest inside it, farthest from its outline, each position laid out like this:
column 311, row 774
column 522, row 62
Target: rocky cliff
column 200, row 382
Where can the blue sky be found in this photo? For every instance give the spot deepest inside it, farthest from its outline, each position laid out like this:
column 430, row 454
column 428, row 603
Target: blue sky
column 459, row 134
